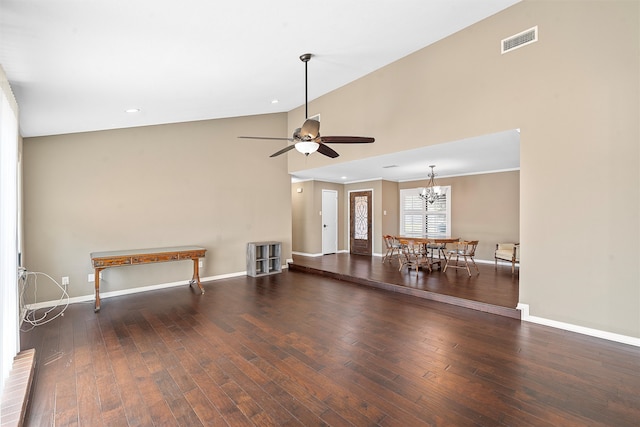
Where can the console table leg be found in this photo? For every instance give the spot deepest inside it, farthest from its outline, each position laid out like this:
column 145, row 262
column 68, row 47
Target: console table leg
column 196, row 274
column 97, row 282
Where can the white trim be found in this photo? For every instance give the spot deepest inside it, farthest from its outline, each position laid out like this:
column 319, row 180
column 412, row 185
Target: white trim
column 379, row 178
column 460, row 174
column 306, row 254
column 624, row 339
column 486, row 261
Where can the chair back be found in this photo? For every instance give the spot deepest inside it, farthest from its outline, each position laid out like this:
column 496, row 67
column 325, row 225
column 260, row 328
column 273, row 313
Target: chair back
column 391, row 241
column 388, row 240
column 468, row 247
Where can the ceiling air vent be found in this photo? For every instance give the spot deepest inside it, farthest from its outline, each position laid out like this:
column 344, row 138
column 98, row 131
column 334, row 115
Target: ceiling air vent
column 521, row 39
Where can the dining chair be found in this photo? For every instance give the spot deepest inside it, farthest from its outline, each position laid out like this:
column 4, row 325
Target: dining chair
column 413, row 256
column 508, row 252
column 436, row 248
column 467, row 251
column 393, row 247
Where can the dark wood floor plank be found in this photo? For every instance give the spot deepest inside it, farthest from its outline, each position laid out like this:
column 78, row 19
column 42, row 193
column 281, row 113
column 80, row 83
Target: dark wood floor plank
column 206, row 412
column 271, row 408
column 133, row 403
column 298, row 349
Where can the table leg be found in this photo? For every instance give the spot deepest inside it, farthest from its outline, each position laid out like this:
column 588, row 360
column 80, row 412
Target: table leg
column 196, row 274
column 97, row 283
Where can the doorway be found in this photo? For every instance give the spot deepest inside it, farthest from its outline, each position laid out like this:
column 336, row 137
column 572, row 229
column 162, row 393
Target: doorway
column 360, row 222
column 329, row 222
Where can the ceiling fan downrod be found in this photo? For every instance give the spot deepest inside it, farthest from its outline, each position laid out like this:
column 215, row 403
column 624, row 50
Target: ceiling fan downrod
column 305, row 58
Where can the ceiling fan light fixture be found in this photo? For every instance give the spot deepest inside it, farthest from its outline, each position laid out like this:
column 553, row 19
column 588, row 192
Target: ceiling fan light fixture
column 307, row 147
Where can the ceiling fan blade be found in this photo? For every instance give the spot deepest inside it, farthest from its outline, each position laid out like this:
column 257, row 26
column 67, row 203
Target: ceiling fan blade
column 346, row 139
column 327, row 151
column 310, row 129
column 284, row 150
column 266, row 137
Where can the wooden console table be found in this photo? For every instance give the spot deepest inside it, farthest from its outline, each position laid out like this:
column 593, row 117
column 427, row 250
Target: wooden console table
column 102, row 260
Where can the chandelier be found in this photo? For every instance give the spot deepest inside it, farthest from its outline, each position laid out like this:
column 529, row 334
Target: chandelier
column 432, row 192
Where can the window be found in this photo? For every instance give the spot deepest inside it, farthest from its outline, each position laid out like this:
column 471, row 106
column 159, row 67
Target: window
column 419, row 218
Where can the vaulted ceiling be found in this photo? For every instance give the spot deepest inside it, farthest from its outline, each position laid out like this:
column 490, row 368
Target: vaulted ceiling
column 79, row 65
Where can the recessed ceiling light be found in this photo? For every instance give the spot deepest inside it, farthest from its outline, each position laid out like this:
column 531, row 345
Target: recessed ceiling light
column 274, row 101
column 132, row 110
column 343, row 177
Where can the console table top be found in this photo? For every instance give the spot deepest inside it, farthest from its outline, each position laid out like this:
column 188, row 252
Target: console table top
column 148, row 251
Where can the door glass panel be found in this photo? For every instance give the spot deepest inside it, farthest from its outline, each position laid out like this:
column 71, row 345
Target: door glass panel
column 361, row 219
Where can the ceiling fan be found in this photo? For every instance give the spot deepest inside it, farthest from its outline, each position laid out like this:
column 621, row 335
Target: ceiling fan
column 307, row 139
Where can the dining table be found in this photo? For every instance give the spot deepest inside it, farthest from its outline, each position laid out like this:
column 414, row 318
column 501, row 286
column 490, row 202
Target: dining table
column 435, row 243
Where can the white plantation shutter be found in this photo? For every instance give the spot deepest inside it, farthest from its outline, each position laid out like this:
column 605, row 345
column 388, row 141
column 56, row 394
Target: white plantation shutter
column 419, row 218
column 437, row 219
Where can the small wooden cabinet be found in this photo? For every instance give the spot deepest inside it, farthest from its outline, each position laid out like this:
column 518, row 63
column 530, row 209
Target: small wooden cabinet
column 264, row 258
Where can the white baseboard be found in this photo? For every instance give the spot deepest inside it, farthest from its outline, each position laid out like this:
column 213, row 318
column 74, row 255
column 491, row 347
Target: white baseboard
column 624, row 339
column 105, row 295
column 306, row 254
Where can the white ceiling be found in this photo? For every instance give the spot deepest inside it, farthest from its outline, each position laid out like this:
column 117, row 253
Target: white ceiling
column 77, row 65
column 497, row 152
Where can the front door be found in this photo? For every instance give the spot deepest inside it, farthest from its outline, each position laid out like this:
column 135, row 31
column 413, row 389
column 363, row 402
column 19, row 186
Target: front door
column 360, row 221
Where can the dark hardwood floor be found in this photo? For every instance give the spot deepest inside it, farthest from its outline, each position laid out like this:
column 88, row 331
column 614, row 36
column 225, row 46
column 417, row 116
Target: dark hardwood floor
column 299, row 349
column 494, row 290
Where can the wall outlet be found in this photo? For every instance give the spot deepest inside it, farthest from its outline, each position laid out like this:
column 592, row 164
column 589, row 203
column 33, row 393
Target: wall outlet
column 92, row 277
column 200, row 263
column 65, row 281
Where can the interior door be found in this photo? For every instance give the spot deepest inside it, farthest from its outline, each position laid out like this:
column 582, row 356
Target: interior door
column 329, row 222
column 360, row 220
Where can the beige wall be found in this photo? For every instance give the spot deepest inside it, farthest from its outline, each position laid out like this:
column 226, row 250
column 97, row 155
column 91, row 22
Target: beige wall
column 180, row 184
column 575, row 96
column 306, row 218
column 390, row 208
